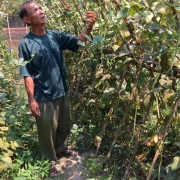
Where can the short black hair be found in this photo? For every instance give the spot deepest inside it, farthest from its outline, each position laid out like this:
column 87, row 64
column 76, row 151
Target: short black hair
column 23, row 11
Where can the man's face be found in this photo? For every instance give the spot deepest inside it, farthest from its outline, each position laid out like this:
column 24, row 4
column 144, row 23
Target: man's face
column 36, row 15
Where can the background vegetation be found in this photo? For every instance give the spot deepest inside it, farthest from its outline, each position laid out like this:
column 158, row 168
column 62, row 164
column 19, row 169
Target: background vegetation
column 123, row 87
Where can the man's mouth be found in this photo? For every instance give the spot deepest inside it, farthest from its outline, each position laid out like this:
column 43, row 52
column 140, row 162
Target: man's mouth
column 43, row 18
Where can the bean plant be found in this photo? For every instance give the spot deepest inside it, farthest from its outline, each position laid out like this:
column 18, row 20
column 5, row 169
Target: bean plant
column 124, row 85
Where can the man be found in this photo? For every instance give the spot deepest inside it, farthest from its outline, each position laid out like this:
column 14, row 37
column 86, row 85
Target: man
column 45, row 79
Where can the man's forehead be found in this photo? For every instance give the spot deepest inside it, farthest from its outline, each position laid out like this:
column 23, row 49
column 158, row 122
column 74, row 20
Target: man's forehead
column 31, row 5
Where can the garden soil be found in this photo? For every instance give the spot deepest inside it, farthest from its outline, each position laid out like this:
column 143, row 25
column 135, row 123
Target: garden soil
column 73, row 167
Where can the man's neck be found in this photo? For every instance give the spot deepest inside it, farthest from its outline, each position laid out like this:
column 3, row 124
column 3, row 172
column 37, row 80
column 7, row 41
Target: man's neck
column 40, row 31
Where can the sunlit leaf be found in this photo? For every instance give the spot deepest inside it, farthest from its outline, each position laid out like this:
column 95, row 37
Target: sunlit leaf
column 7, row 160
column 2, row 122
column 8, row 153
column 75, row 126
column 18, row 143
column 76, row 106
column 99, row 72
column 176, row 163
column 148, row 15
column 3, row 144
column 4, row 128
column 3, row 166
column 105, row 77
column 108, row 91
column 97, row 140
column 156, row 138
column 157, row 6
column 115, row 47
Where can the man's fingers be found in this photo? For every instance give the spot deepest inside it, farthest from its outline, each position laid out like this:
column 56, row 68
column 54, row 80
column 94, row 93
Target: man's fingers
column 35, row 109
column 38, row 112
column 91, row 20
column 90, row 15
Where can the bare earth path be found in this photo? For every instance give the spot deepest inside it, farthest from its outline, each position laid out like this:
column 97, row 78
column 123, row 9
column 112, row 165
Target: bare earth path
column 72, row 168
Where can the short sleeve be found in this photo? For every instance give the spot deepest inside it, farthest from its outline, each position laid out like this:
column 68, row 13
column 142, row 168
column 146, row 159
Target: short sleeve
column 25, row 70
column 68, row 41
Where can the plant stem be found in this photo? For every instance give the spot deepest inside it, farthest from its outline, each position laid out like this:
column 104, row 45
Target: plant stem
column 159, row 148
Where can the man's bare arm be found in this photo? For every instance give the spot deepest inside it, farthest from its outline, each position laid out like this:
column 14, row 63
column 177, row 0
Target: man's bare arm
column 91, row 19
column 29, row 84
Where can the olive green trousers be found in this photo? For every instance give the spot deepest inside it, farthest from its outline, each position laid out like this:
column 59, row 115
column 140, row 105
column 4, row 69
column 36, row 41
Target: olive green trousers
column 53, row 127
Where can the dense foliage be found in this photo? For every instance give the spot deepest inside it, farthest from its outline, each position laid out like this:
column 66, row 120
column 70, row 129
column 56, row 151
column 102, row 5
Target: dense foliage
column 123, row 85
column 12, row 9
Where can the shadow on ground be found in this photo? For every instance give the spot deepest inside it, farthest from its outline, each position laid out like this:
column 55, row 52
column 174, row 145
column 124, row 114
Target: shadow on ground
column 72, row 167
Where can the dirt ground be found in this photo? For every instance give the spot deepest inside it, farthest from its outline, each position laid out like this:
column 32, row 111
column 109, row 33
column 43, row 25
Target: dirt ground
column 73, row 168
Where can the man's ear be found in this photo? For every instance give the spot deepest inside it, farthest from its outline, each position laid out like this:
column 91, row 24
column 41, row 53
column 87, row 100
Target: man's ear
column 26, row 20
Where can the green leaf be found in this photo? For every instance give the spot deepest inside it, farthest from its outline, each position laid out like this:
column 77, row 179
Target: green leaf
column 111, row 13
column 75, row 126
column 171, row 175
column 23, row 63
column 122, row 13
column 177, row 144
column 133, row 178
column 3, row 97
column 98, row 39
column 88, row 37
column 80, row 43
column 19, row 178
column 136, row 6
column 146, row 58
column 90, row 101
column 157, row 90
column 1, row 75
column 155, row 26
column 128, row 60
column 108, row 91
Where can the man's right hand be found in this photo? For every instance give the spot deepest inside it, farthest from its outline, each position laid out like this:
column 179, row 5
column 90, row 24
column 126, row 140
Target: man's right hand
column 34, row 107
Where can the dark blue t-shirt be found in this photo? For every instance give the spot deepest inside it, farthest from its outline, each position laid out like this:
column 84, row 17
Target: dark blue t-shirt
column 47, row 66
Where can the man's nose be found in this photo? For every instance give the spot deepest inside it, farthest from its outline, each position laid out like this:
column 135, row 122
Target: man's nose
column 41, row 11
